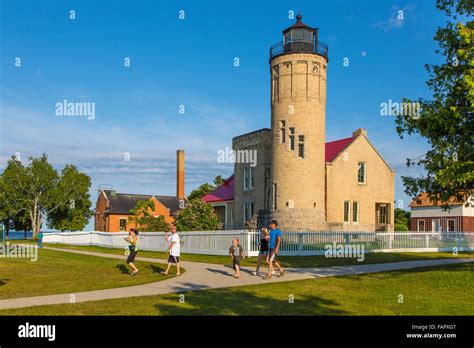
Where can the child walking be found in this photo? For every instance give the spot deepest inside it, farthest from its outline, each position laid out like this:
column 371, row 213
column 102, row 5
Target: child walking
column 236, row 253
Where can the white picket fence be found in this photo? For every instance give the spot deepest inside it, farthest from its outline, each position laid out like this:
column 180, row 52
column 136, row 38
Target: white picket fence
column 293, row 244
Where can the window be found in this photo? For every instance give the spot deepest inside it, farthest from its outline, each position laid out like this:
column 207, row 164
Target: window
column 451, row 225
column 420, row 226
column 346, row 211
column 274, row 195
column 252, row 177
column 308, row 35
column 301, row 146
column 246, row 179
column 355, row 212
column 123, row 224
column 97, row 217
column 292, row 138
column 361, row 173
column 282, row 139
column 248, row 211
column 249, row 178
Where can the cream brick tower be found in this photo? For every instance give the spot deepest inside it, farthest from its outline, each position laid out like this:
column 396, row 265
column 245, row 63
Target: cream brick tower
column 298, row 67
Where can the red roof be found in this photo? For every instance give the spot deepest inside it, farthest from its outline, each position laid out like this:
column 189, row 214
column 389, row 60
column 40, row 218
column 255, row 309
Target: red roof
column 225, row 192
column 334, row 148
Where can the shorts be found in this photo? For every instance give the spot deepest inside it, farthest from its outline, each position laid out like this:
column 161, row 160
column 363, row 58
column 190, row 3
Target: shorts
column 263, row 252
column 131, row 257
column 173, row 259
column 235, row 262
column 272, row 257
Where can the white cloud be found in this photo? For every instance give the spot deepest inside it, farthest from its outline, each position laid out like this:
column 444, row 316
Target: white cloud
column 397, row 18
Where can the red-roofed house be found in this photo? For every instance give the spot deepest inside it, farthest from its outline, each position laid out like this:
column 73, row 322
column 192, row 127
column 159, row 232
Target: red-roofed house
column 222, row 199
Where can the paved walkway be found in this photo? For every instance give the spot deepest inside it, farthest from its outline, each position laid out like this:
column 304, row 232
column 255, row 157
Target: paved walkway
column 200, row 276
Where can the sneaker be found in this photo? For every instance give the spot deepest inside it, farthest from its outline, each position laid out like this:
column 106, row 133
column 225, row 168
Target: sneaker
column 255, row 273
column 133, row 273
column 273, row 272
column 267, row 277
column 282, row 273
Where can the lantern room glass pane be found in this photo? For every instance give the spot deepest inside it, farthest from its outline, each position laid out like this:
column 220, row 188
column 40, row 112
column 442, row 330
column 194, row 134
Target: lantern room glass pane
column 308, row 36
column 297, row 35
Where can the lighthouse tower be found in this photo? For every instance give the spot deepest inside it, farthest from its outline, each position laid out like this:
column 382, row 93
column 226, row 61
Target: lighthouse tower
column 298, row 67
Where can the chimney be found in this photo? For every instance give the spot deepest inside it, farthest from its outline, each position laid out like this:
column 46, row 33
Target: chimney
column 358, row 132
column 180, row 174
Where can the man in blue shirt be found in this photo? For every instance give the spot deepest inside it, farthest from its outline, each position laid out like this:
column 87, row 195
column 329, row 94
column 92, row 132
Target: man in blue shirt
column 275, row 241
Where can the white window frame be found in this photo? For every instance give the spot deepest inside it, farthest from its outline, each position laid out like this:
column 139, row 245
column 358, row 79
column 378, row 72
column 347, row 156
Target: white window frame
column 246, row 176
column 348, row 212
column 248, row 208
column 252, row 177
column 357, row 211
column 365, row 172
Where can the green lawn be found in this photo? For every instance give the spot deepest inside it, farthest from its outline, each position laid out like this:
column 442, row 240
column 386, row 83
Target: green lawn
column 58, row 272
column 286, row 261
column 441, row 290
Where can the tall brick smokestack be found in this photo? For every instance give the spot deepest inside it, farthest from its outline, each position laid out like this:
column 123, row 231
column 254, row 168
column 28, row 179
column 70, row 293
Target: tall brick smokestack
column 180, row 174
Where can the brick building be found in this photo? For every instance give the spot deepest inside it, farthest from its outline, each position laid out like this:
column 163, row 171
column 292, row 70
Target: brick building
column 113, row 208
column 429, row 217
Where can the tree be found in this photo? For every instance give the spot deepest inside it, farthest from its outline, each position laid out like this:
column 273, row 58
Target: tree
column 7, row 210
column 201, row 191
column 22, row 222
column 39, row 190
column 402, row 220
column 142, row 217
column 74, row 215
column 446, row 120
column 197, row 216
column 206, row 188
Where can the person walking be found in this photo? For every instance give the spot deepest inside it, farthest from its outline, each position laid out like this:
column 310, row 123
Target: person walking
column 40, row 239
column 236, row 252
column 174, row 249
column 263, row 252
column 275, row 241
column 132, row 240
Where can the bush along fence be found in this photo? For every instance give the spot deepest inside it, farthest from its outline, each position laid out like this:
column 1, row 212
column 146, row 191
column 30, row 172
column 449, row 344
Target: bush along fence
column 294, row 243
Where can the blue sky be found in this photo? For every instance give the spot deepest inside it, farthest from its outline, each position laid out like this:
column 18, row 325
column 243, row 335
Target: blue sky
column 190, row 62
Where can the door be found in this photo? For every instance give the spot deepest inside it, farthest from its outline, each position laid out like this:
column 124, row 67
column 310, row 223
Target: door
column 435, row 225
